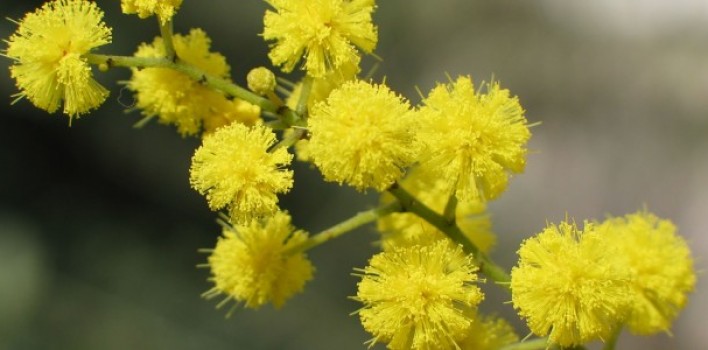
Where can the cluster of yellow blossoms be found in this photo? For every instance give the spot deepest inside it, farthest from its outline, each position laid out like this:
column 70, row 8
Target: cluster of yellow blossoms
column 436, row 165
column 581, row 285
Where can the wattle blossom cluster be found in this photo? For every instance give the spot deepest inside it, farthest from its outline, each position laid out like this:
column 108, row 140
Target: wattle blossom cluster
column 577, row 286
column 436, row 165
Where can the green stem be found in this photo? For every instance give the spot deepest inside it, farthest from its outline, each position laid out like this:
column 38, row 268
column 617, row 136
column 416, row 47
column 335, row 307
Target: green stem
column 166, row 33
column 305, row 90
column 612, row 342
column 288, row 116
column 361, row 218
column 450, row 229
column 291, row 139
column 450, row 208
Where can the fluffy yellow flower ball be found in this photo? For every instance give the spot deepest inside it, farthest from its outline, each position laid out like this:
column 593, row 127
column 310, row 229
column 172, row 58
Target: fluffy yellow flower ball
column 419, row 297
column 325, row 32
column 568, row 284
column 48, row 51
column 362, row 135
column 251, row 263
column 660, row 265
column 473, row 140
column 234, row 169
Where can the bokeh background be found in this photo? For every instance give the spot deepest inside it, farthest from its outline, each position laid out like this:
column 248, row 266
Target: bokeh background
column 99, row 229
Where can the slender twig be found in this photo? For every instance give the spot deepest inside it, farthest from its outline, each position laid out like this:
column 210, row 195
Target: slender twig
column 345, row 226
column 166, row 33
column 305, row 90
column 288, row 116
column 450, row 229
column 450, row 208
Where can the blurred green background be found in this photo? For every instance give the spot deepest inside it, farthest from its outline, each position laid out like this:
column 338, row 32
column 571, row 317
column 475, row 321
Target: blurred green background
column 99, row 229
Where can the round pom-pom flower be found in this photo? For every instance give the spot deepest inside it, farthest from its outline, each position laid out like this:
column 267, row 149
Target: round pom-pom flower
column 419, row 297
column 473, row 140
column 164, row 9
column 326, row 32
column 174, row 97
column 661, row 268
column 48, row 51
column 568, row 284
column 362, row 135
column 234, row 169
column 252, row 264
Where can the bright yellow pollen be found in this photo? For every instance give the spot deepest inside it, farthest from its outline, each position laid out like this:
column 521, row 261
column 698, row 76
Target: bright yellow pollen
column 47, row 50
column 362, row 135
column 234, row 170
column 419, row 297
column 473, row 140
column 249, row 263
column 325, row 32
column 569, row 286
column 661, row 268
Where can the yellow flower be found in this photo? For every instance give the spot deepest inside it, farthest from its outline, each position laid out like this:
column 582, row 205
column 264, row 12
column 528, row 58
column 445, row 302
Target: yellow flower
column 489, row 333
column 164, row 9
column 234, row 170
column 250, row 265
column 362, row 135
column 473, row 140
column 406, row 229
column 47, row 50
column 174, row 97
column 419, row 297
column 325, row 32
column 661, row 268
column 568, row 284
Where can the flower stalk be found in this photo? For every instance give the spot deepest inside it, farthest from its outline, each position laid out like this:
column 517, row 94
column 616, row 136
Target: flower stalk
column 360, row 219
column 288, row 116
column 450, row 229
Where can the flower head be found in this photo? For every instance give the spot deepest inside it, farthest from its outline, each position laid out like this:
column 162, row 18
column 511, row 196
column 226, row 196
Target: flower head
column 419, row 297
column 473, row 140
column 406, row 229
column 362, row 135
column 47, row 50
column 251, row 263
column 234, row 169
column 173, row 96
column 325, row 32
column 164, row 9
column 568, row 284
column 660, row 265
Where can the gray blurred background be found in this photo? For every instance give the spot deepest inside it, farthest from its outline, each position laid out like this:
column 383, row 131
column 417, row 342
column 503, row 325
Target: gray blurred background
column 99, row 229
